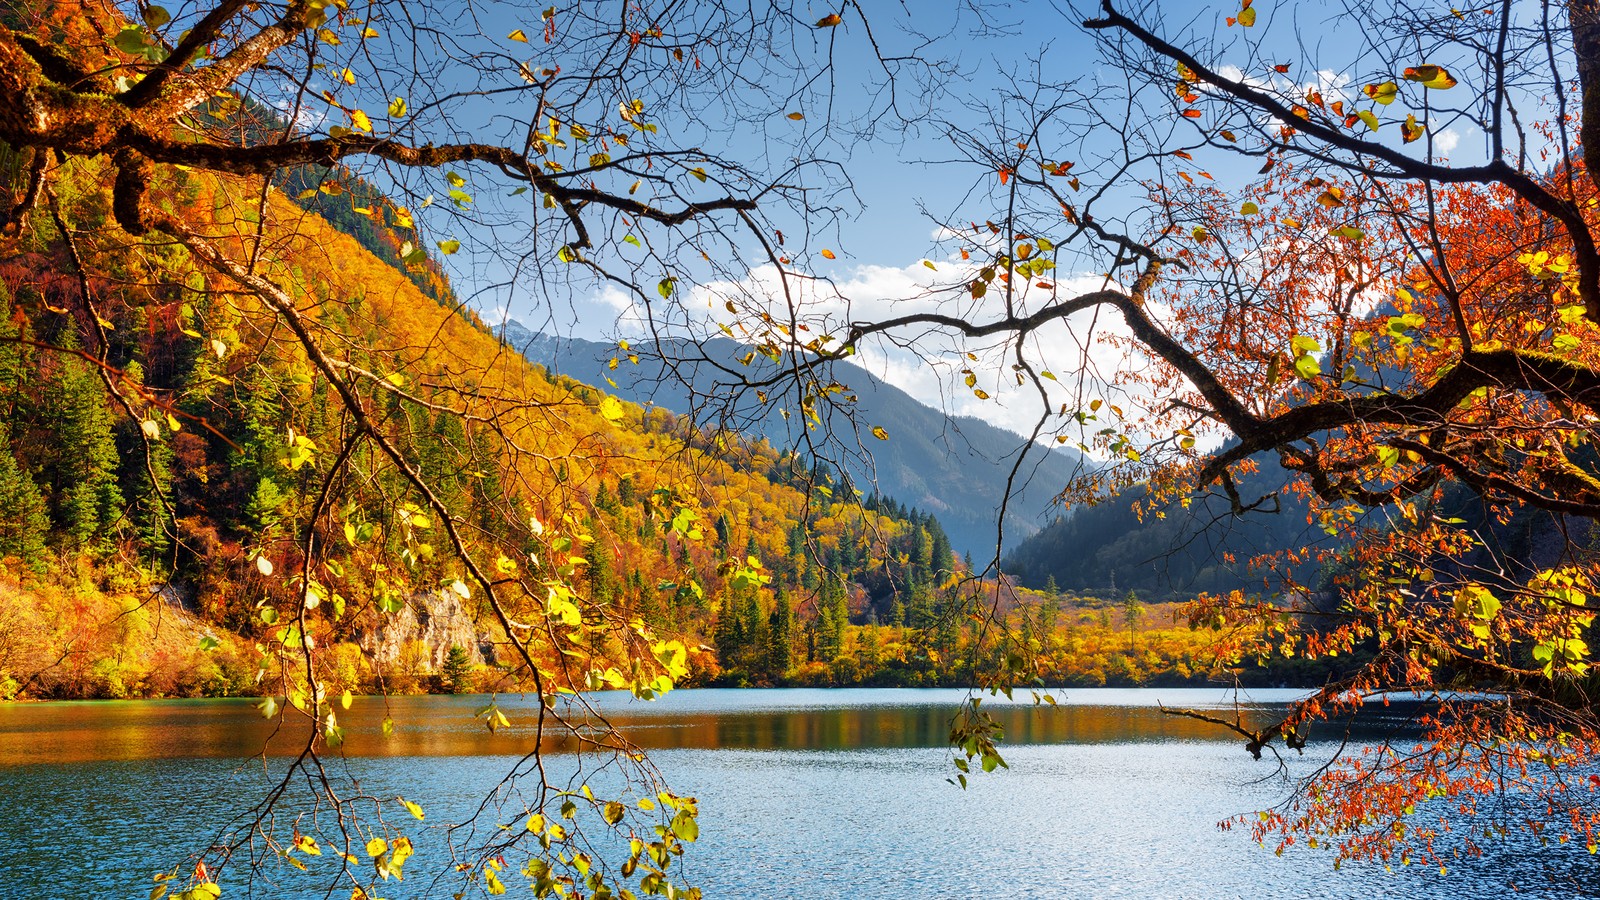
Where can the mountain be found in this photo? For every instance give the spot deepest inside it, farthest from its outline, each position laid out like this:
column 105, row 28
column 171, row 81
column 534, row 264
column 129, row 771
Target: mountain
column 182, row 491
column 955, row 467
column 1169, row 553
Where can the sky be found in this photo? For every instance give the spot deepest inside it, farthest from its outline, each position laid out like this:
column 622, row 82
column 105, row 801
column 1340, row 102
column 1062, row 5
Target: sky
column 890, row 172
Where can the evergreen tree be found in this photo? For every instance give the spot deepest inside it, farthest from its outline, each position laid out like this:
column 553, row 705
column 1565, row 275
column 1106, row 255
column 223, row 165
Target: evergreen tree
column 24, row 520
column 729, row 637
column 603, row 500
column 82, row 472
column 1132, row 614
column 780, row 636
column 602, row 574
column 457, row 670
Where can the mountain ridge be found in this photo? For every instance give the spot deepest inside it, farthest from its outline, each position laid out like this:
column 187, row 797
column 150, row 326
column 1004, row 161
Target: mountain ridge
column 953, row 466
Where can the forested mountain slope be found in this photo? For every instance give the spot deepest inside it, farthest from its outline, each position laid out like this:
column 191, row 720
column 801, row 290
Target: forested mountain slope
column 163, row 441
column 1171, row 551
column 957, row 468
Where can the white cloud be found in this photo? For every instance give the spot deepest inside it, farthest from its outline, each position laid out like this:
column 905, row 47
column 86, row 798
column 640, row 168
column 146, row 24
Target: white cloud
column 929, row 361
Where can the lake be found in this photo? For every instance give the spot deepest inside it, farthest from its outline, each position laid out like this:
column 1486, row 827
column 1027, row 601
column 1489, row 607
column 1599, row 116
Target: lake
column 803, row 794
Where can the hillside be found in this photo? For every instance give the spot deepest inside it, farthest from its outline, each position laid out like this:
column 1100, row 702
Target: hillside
column 1169, row 553
column 956, row 468
column 165, row 443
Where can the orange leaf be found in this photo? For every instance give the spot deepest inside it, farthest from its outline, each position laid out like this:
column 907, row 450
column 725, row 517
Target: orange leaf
column 829, row 21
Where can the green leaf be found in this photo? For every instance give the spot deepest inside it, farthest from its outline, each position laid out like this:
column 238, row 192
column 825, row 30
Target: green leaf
column 449, row 247
column 666, row 287
column 130, row 40
column 1388, row 457
column 685, row 826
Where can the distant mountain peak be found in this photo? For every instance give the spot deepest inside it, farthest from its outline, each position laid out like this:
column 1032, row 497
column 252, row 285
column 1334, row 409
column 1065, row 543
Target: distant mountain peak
column 956, row 467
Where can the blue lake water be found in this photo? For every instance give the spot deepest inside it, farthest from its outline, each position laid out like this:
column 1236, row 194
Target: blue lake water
column 802, row 794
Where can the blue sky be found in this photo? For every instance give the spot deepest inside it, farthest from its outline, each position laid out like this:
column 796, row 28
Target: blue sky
column 879, row 170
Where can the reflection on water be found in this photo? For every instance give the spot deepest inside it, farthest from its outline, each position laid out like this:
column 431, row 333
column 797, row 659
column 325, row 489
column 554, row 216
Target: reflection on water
column 813, row 794
column 799, row 719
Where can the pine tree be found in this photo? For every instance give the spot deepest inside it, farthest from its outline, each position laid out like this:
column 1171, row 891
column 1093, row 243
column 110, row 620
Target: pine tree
column 780, row 636
column 82, row 476
column 23, row 518
column 1132, row 613
column 602, row 574
column 457, row 670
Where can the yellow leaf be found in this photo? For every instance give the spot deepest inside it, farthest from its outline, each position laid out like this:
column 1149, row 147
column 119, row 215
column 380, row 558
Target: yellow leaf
column 879, row 433
column 1247, row 17
column 412, row 808
column 828, row 254
column 1436, row 77
column 518, row 36
column 611, row 409
column 1382, row 93
column 359, row 121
